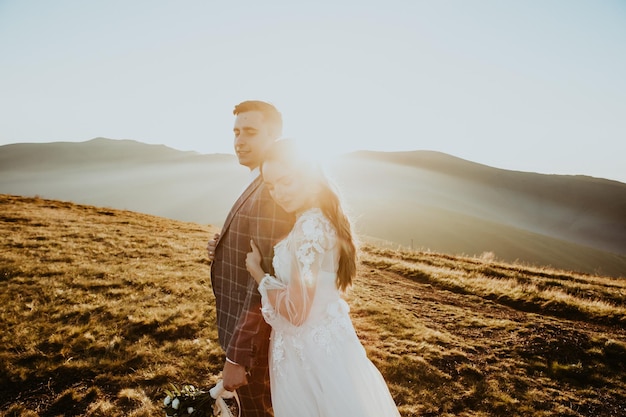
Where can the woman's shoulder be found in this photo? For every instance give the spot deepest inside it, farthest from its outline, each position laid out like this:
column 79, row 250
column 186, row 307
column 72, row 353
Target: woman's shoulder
column 313, row 217
column 314, row 225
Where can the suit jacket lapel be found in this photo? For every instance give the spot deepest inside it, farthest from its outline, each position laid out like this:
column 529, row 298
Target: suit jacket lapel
column 242, row 199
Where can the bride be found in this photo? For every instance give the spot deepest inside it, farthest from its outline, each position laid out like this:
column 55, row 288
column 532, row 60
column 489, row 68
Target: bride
column 318, row 367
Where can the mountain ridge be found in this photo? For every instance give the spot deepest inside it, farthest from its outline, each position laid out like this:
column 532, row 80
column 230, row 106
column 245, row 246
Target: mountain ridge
column 421, row 199
column 577, row 195
column 437, row 159
column 97, row 150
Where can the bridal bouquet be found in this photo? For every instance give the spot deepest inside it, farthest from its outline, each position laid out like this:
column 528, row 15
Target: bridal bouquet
column 190, row 401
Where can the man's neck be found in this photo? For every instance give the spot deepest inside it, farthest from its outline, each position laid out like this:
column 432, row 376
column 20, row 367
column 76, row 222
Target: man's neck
column 254, row 173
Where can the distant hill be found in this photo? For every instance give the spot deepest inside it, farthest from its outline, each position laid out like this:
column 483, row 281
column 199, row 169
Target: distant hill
column 422, row 199
column 42, row 156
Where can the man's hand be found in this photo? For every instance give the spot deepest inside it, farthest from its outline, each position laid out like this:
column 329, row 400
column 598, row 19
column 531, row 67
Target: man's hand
column 234, row 376
column 210, row 247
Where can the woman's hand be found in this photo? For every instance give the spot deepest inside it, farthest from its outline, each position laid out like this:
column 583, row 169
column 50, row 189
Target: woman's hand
column 253, row 263
column 211, row 246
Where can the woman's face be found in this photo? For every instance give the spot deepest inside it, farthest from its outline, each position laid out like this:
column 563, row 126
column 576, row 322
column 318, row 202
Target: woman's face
column 292, row 190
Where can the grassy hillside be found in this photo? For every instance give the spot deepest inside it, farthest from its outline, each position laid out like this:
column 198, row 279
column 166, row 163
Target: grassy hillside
column 103, row 308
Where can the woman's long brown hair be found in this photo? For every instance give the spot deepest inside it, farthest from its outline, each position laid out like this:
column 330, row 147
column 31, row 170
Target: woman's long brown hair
column 331, row 207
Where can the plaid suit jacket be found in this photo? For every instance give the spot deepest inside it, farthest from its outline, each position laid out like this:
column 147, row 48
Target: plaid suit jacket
column 242, row 331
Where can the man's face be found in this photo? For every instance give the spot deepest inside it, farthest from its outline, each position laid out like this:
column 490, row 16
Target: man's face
column 253, row 135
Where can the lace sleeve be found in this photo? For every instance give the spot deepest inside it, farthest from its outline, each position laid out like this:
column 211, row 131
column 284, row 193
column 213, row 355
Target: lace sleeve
column 291, row 297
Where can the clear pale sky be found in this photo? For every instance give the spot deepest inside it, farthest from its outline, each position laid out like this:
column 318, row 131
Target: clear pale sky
column 532, row 85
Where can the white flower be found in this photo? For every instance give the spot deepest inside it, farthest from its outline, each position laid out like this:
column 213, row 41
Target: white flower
column 175, row 403
column 167, row 401
column 189, row 410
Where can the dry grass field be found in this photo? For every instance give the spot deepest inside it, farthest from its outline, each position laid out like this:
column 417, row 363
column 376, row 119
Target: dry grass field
column 102, row 309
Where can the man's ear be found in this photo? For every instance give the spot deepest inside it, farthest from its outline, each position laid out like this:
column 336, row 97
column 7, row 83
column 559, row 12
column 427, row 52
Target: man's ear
column 276, row 131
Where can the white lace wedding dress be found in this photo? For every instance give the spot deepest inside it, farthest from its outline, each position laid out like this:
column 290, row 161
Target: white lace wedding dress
column 318, row 367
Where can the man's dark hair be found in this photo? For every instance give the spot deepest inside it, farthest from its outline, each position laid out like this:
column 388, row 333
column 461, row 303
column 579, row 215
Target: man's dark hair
column 270, row 113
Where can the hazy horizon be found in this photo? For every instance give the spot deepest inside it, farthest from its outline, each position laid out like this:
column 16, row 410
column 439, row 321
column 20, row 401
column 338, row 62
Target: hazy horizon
column 525, row 86
column 232, row 153
column 417, row 199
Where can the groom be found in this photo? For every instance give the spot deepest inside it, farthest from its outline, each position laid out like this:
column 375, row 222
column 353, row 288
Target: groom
column 243, row 333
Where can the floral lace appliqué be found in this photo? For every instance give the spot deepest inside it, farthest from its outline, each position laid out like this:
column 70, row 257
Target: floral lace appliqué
column 326, row 334
column 316, row 235
column 282, row 342
column 337, row 324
